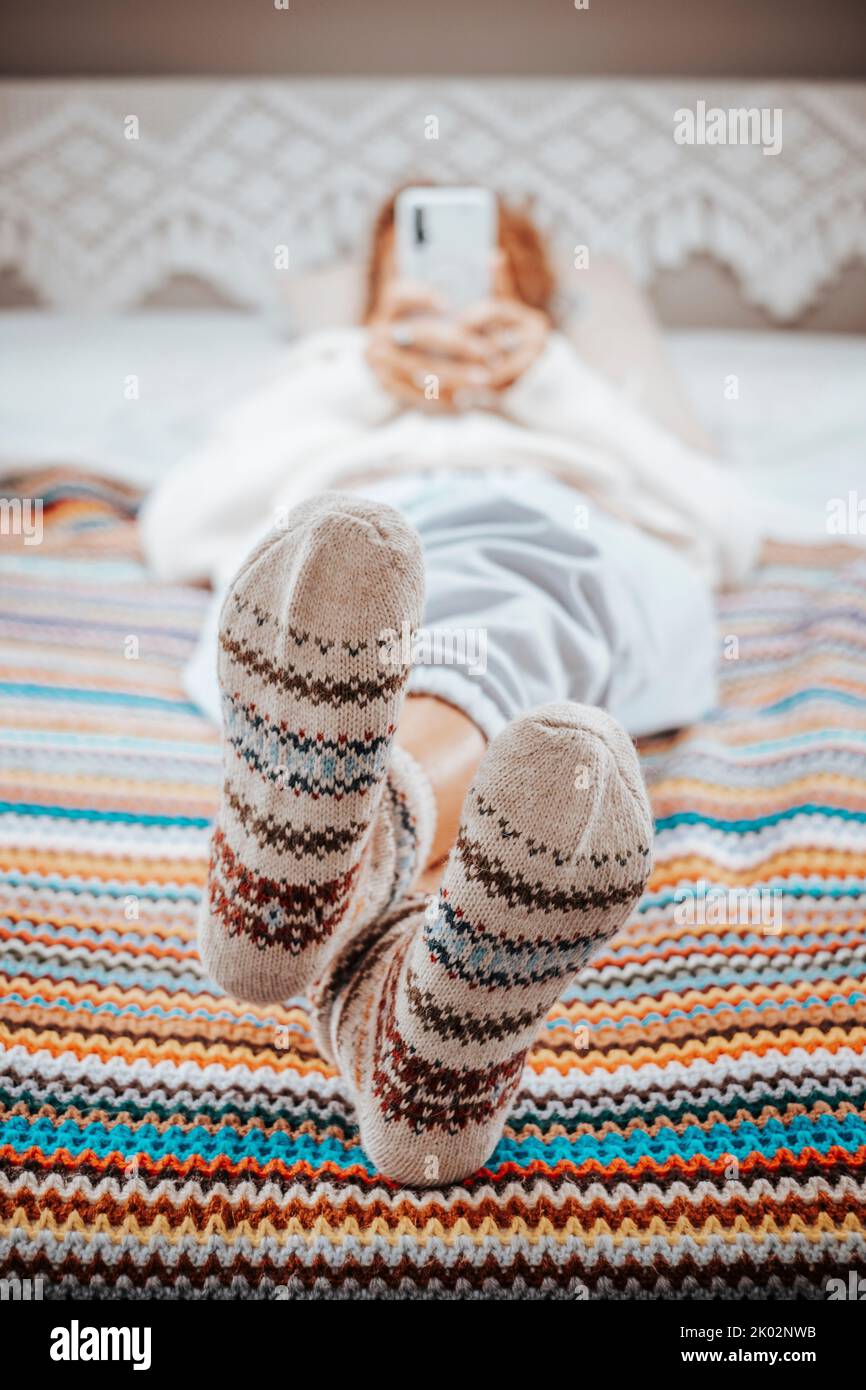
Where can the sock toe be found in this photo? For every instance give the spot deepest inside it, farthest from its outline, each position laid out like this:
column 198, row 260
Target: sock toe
column 558, row 787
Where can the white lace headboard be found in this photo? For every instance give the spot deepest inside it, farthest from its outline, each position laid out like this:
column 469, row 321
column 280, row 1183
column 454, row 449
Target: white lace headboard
column 223, row 172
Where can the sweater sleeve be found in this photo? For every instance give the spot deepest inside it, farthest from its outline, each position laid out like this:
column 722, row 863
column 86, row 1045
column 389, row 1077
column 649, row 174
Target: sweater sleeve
column 321, row 398
column 560, row 395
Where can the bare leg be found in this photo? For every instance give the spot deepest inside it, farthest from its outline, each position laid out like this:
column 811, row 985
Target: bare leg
column 449, row 748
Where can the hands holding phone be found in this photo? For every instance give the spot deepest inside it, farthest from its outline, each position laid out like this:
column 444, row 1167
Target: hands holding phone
column 430, row 359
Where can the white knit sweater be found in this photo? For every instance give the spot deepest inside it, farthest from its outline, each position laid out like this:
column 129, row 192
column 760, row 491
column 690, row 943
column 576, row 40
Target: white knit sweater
column 323, row 420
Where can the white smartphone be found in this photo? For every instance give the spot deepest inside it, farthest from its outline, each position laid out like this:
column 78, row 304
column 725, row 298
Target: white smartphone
column 445, row 238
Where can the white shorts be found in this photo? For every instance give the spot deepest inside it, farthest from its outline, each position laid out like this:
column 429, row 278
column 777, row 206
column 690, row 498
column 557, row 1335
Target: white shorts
column 534, row 595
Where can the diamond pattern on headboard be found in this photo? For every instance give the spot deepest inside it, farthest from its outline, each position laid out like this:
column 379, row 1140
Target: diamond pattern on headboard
column 224, row 172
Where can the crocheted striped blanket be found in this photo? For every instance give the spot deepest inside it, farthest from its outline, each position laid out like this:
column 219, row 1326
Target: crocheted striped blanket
column 691, row 1121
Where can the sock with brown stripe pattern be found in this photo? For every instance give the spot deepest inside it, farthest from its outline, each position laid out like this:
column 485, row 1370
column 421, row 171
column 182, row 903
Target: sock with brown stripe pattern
column 431, row 1026
column 322, row 824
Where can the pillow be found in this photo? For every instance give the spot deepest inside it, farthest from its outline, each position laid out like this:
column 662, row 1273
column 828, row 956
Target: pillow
column 330, row 297
column 613, row 325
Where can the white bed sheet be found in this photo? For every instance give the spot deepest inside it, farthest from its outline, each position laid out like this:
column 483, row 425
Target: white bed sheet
column 794, row 421
column 797, row 426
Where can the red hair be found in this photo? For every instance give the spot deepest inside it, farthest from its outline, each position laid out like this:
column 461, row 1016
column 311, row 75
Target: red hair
column 519, row 238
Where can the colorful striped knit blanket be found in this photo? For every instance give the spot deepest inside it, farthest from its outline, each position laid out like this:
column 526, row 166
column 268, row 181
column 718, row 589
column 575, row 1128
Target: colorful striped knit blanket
column 691, row 1123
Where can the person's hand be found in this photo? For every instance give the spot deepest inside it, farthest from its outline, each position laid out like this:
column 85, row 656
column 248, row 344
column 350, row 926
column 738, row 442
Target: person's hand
column 429, row 360
column 422, row 357
column 514, row 336
column 513, row 333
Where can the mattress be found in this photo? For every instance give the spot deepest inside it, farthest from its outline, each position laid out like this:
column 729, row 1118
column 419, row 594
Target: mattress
column 131, row 394
column 691, row 1121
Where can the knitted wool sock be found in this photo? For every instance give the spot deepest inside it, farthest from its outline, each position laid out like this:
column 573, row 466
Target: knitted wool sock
column 311, row 695
column 432, row 1027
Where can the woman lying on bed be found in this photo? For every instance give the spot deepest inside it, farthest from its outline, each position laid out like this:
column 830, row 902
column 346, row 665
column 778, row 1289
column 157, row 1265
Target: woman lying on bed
column 469, row 473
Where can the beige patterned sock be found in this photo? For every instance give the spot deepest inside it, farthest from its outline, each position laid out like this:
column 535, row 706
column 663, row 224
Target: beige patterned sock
column 321, row 823
column 431, row 1026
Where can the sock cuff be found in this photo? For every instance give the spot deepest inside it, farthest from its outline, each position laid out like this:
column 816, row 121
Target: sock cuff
column 413, row 808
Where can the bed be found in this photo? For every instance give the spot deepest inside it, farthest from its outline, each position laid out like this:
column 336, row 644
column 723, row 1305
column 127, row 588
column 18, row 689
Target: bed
column 691, row 1120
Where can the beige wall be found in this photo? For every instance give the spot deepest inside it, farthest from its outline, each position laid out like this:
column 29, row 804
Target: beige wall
column 737, row 38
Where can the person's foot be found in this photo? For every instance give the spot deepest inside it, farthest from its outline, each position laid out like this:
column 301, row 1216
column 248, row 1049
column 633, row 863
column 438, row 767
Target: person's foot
column 433, row 1026
column 311, row 692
